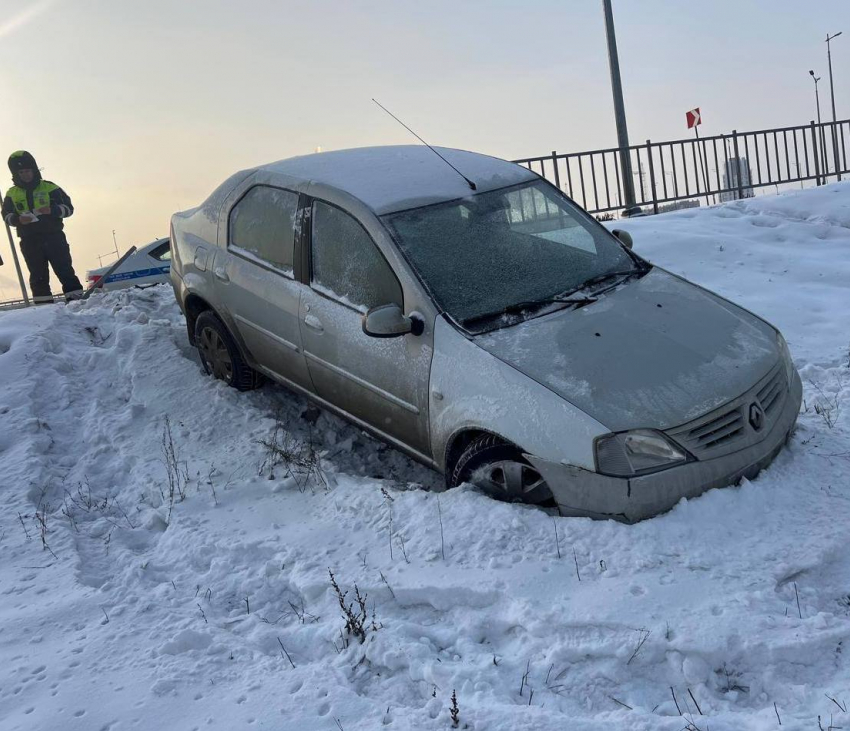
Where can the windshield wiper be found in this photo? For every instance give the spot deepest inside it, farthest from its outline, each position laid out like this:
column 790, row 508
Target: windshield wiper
column 612, row 275
column 609, row 275
column 529, row 304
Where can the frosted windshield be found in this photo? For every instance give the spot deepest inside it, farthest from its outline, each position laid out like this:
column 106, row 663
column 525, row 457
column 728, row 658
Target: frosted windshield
column 482, row 254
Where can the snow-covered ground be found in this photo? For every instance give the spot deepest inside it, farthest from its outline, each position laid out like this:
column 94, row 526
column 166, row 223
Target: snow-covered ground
column 123, row 609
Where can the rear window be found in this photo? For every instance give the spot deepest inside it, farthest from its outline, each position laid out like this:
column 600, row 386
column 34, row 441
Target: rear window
column 262, row 225
column 161, row 252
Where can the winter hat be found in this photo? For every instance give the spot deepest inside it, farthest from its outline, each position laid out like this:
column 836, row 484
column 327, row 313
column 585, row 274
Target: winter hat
column 21, row 160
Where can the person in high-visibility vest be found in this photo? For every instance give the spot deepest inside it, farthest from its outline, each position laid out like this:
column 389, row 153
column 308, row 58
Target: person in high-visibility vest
column 37, row 208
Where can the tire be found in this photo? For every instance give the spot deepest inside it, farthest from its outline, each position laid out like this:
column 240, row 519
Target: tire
column 499, row 470
column 220, row 355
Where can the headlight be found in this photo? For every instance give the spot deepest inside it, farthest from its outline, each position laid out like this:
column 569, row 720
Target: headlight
column 785, row 355
column 635, row 452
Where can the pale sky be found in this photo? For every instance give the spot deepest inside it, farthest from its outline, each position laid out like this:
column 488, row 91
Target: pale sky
column 139, row 109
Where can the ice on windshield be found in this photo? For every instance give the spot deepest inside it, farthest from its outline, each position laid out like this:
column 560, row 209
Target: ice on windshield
column 488, row 252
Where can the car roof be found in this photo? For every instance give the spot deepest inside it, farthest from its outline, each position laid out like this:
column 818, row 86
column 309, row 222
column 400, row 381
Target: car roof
column 397, row 177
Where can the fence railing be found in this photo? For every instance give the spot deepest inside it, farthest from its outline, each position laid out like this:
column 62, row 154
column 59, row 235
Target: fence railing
column 14, row 304
column 719, row 168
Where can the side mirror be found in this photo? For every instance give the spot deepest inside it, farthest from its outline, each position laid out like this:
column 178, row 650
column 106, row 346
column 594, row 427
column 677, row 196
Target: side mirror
column 388, row 321
column 624, row 236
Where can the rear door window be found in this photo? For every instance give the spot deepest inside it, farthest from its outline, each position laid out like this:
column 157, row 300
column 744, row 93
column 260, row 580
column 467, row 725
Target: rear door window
column 346, row 263
column 161, row 252
column 262, row 226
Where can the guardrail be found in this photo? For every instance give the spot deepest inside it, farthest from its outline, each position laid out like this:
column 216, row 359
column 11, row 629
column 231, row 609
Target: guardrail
column 720, row 167
column 13, row 304
column 18, row 303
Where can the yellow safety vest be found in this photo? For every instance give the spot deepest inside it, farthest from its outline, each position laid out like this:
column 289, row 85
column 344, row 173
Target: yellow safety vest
column 40, row 196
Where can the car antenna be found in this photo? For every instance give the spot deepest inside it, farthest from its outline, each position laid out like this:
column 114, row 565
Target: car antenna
column 468, row 181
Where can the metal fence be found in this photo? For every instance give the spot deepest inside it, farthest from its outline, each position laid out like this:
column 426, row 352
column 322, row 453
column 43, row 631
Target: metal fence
column 14, row 304
column 719, row 168
column 17, row 304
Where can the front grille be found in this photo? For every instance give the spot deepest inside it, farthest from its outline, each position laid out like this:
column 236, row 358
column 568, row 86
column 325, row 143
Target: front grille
column 770, row 395
column 722, row 429
column 728, row 428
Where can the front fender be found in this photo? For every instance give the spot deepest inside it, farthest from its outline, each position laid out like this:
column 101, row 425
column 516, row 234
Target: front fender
column 472, row 389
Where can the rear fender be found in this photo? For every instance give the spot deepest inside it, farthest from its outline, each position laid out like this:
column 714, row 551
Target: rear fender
column 224, row 316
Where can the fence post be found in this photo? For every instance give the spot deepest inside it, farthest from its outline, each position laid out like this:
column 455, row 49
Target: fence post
column 738, row 163
column 18, row 266
column 815, row 152
column 555, row 166
column 652, row 177
column 835, row 159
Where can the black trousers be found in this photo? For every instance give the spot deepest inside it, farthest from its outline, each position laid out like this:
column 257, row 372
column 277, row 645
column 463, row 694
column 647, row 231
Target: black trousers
column 49, row 248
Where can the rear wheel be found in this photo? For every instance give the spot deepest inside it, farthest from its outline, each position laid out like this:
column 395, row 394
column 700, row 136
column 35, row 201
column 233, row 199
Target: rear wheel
column 220, row 355
column 499, row 470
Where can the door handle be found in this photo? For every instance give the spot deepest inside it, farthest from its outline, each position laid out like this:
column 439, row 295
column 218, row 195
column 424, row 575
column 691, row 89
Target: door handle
column 221, row 273
column 313, row 322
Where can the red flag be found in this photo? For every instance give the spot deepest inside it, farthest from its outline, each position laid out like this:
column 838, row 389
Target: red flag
column 693, row 117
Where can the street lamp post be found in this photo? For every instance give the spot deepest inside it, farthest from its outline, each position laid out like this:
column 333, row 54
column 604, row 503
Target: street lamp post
column 631, row 208
column 832, row 94
column 822, row 150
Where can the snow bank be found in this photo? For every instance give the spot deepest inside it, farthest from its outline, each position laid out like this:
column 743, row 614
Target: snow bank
column 121, row 607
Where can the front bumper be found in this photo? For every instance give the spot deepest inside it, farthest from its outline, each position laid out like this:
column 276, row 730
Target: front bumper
column 582, row 492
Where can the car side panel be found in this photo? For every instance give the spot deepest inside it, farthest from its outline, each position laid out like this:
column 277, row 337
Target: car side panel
column 471, row 389
column 139, row 273
column 263, row 306
column 194, row 240
column 384, row 382
column 259, row 305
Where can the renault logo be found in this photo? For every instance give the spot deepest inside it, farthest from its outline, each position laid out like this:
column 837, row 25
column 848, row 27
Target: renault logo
column 756, row 417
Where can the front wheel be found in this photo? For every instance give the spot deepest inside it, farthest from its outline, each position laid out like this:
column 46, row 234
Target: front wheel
column 220, row 354
column 499, row 470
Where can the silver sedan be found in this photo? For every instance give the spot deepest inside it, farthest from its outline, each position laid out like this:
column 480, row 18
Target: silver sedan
column 479, row 320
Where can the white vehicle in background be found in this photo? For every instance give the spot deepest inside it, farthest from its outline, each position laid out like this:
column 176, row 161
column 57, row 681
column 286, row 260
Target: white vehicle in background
column 149, row 265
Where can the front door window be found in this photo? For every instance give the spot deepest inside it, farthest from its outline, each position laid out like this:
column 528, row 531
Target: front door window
column 346, row 263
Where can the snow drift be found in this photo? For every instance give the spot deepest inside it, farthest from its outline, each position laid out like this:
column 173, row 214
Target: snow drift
column 167, row 542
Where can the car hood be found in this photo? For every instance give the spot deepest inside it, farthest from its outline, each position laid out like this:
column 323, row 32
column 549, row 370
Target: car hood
column 656, row 352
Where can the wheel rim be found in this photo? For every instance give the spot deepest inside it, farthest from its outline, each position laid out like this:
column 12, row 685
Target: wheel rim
column 215, row 354
column 512, row 481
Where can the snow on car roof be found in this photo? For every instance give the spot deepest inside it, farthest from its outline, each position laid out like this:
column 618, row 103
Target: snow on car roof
column 397, row 177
